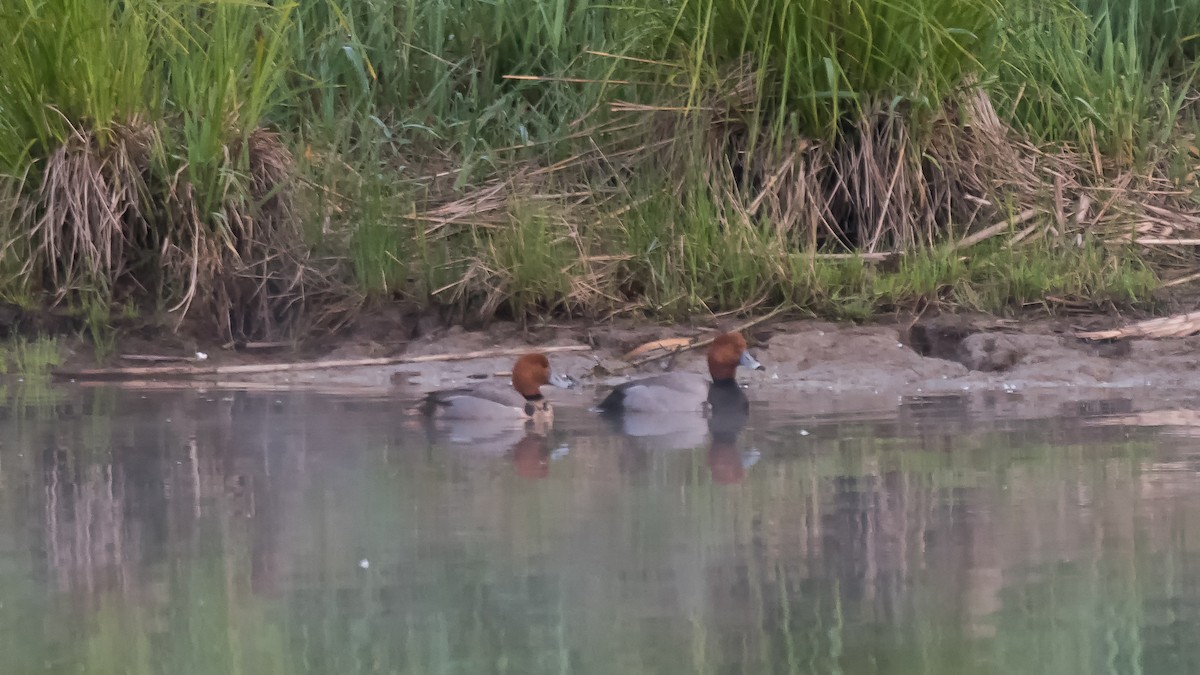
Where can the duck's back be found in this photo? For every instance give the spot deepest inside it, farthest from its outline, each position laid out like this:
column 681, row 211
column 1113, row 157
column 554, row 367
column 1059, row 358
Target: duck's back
column 479, row 403
column 671, row 392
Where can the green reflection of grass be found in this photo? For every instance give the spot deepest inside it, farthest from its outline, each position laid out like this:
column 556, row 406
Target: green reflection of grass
column 30, row 357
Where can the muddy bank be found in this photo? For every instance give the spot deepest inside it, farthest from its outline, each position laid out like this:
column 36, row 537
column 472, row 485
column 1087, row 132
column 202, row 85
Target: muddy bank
column 813, row 365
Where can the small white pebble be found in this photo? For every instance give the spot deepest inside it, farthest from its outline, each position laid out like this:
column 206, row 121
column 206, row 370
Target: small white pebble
column 200, row 356
column 899, row 344
column 364, row 563
column 966, row 387
column 774, row 376
column 804, row 432
column 20, row 379
column 168, row 420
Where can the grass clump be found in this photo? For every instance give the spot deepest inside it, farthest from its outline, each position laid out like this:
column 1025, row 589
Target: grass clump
column 1116, row 76
column 1003, row 279
column 815, row 64
column 135, row 130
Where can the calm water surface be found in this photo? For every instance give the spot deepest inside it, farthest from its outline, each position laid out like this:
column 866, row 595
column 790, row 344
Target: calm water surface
column 181, row 532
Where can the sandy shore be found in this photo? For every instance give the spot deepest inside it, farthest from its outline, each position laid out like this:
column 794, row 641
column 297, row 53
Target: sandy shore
column 811, row 366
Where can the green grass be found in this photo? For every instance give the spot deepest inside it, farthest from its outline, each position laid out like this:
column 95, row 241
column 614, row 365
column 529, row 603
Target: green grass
column 390, row 114
column 1115, row 74
column 820, row 62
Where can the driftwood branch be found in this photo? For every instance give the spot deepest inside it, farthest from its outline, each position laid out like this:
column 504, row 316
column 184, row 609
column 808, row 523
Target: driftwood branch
column 697, row 343
column 1179, row 325
column 195, row 371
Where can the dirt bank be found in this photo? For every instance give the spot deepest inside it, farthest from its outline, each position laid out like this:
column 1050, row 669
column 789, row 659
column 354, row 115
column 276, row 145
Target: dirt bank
column 940, row 355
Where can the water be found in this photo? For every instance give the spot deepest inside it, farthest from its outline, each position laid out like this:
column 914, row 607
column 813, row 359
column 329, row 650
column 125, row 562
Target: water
column 257, row 532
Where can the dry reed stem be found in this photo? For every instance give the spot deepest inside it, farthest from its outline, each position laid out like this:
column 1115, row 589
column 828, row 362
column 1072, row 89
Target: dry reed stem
column 196, row 371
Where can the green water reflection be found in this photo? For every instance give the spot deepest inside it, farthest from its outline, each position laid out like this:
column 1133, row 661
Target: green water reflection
column 238, row 532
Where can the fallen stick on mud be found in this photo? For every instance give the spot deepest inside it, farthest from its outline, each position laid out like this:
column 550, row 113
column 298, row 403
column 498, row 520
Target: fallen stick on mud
column 1179, row 325
column 240, row 385
column 695, row 344
column 156, row 358
column 1181, row 280
column 191, row 371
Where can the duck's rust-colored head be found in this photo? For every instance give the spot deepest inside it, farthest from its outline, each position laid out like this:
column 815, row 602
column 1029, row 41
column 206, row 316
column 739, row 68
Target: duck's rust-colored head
column 726, row 353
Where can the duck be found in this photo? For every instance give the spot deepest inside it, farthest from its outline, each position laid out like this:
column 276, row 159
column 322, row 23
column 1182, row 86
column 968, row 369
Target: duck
column 689, row 392
column 730, row 413
column 523, row 401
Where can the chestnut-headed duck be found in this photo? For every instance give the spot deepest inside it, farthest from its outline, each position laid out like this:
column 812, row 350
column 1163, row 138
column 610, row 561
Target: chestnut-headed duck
column 685, row 392
column 524, row 400
column 730, row 413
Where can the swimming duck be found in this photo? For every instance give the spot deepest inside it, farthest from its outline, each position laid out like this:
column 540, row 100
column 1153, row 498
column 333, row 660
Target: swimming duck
column 679, row 392
column 730, row 413
column 490, row 402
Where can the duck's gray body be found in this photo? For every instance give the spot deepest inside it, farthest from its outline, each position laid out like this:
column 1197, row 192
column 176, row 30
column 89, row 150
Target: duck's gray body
column 483, row 403
column 670, row 392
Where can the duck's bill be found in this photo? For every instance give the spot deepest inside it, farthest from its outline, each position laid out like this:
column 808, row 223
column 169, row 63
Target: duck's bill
column 561, row 381
column 748, row 361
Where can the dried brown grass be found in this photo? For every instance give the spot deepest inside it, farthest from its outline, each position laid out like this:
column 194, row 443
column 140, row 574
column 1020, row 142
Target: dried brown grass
column 876, row 188
column 90, row 209
column 891, row 183
column 108, row 224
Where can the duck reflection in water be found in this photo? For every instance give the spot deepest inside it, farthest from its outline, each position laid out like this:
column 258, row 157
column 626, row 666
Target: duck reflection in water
column 730, row 411
column 531, row 456
column 531, row 446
